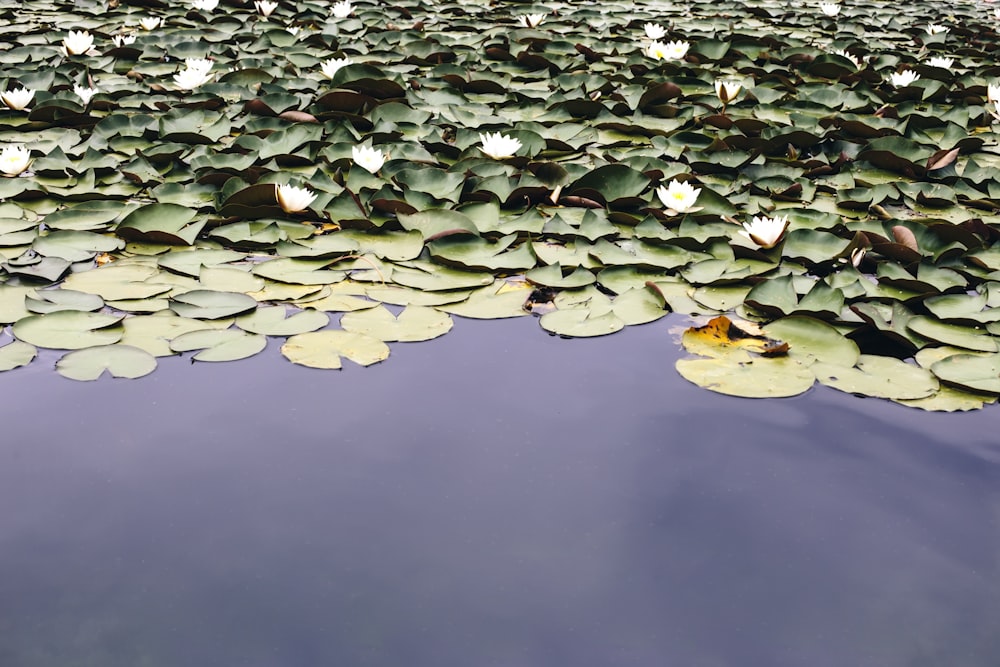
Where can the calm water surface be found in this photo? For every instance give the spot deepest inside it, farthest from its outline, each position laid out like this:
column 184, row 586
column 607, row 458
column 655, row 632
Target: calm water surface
column 495, row 497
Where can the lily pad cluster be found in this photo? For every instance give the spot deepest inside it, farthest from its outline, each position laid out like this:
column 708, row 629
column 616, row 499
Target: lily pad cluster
column 201, row 178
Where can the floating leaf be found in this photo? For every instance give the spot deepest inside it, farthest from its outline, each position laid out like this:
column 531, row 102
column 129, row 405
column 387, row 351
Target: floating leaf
column 120, row 361
column 275, row 321
column 161, row 223
column 16, row 354
column 211, row 305
column 68, row 329
column 881, row 377
column 751, row 378
column 324, row 349
column 219, row 344
column 414, row 323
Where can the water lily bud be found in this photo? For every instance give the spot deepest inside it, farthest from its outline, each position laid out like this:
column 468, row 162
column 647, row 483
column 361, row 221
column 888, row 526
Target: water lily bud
column 727, row 91
column 189, row 79
column 857, row 62
column 342, row 9
column 765, row 232
column 904, row 78
column 265, row 7
column 122, row 40
column 654, row 31
column 77, row 43
column 368, row 158
column 84, row 93
column 293, row 200
column 499, row 146
column 331, row 66
column 17, row 99
column 993, row 92
column 14, row 159
column 530, row 20
column 831, row 9
column 200, row 64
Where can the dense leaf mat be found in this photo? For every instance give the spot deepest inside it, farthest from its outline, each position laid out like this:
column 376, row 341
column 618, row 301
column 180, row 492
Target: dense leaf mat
column 487, row 161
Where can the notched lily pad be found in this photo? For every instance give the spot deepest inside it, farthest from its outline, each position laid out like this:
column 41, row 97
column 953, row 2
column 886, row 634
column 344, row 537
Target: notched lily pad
column 119, row 361
column 324, row 349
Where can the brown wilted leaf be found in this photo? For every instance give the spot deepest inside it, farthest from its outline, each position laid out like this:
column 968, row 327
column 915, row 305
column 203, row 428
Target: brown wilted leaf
column 905, row 237
column 721, row 338
column 942, row 159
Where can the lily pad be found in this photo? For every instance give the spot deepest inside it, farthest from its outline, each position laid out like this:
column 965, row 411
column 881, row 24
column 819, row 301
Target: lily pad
column 414, row 323
column 324, row 349
column 120, row 361
column 219, row 344
column 68, row 329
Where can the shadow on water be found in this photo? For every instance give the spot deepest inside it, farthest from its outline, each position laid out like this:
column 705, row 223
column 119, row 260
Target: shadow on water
column 495, row 497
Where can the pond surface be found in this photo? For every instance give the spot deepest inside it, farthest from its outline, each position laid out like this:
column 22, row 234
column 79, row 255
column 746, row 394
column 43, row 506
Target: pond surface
column 495, row 497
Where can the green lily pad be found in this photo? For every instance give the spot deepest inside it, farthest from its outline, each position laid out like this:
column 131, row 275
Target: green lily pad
column 219, row 344
column 68, row 329
column 496, row 301
column 879, row 377
column 16, row 354
column 324, row 349
column 120, row 361
column 414, row 323
column 970, row 372
column 51, row 300
column 811, row 340
column 752, row 378
column 275, row 321
column 169, row 224
column 211, row 305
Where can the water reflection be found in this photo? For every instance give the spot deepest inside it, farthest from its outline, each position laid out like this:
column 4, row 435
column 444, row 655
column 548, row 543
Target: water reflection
column 496, row 497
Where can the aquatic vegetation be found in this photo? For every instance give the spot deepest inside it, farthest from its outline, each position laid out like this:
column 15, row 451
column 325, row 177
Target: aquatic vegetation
column 846, row 193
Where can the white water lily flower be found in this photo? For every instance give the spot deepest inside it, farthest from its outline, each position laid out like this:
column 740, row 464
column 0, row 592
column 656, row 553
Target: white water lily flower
column 993, row 92
column 14, row 159
column 941, row 61
column 936, row 28
column 293, row 200
column 831, row 9
column 678, row 197
column 189, row 79
column 265, row 7
column 370, row 159
column 205, row 5
column 499, row 146
column 765, row 232
column 655, row 31
column 77, row 42
column 904, row 78
column 151, row 23
column 727, row 91
column 122, row 40
column 675, row 50
column 292, row 30
column 857, row 62
column 200, row 64
column 342, row 9
column 84, row 93
column 530, row 20
column 331, row 66
column 17, row 99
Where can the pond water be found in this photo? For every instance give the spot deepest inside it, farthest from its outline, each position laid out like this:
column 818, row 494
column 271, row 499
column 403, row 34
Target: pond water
column 495, row 497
